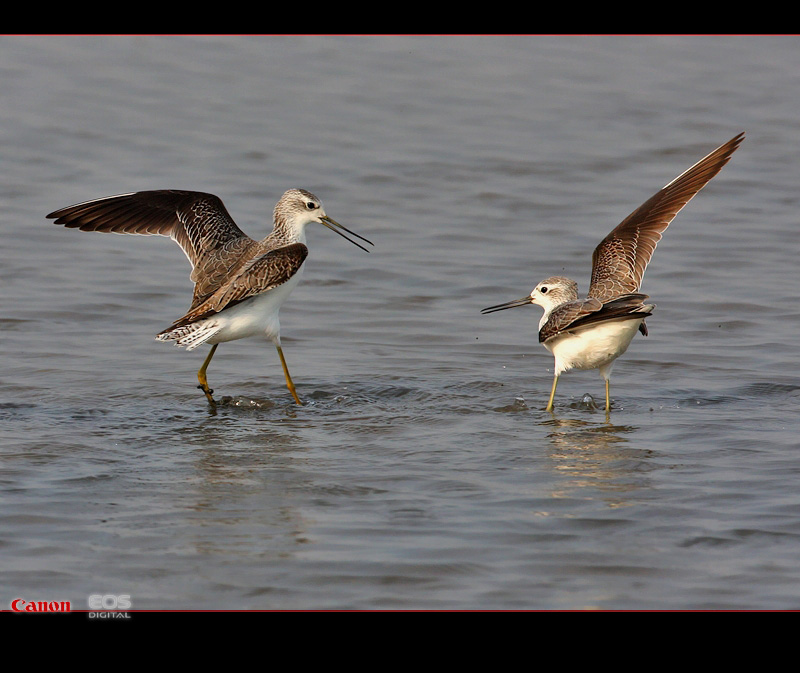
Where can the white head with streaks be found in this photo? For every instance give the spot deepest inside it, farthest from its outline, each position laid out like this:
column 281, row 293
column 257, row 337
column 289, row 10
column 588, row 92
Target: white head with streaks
column 553, row 292
column 298, row 208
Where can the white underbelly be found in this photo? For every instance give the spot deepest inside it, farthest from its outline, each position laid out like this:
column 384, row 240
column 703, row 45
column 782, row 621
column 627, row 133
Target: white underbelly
column 593, row 346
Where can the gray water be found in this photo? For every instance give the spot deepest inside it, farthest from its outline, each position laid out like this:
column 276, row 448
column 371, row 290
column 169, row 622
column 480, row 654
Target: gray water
column 422, row 472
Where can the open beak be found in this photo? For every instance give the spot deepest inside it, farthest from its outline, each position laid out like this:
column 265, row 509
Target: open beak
column 335, row 226
column 508, row 304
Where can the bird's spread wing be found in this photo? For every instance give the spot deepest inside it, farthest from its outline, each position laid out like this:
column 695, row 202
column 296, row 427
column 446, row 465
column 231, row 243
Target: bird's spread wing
column 582, row 312
column 196, row 221
column 619, row 262
column 257, row 275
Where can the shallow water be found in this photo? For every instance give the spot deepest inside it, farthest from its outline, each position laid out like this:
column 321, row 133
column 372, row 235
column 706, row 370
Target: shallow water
column 423, row 471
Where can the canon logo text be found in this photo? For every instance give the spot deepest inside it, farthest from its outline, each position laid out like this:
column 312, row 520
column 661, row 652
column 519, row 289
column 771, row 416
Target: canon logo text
column 21, row 605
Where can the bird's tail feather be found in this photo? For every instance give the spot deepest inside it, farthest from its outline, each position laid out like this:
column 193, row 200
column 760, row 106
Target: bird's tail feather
column 192, row 335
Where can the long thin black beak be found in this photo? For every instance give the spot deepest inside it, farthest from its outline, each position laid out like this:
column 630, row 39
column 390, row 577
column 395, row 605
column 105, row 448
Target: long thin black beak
column 333, row 225
column 508, row 304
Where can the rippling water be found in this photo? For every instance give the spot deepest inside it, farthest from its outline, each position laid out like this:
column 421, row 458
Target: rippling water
column 423, row 471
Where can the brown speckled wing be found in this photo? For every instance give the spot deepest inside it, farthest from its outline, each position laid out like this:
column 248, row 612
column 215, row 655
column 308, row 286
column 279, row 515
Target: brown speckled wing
column 583, row 312
column 619, row 262
column 565, row 315
column 260, row 274
column 197, row 221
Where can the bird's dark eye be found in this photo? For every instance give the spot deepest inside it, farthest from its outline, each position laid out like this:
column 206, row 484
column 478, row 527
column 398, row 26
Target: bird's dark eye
column 543, row 290
column 311, row 205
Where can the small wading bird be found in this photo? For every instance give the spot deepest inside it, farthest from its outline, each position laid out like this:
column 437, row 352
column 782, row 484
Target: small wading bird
column 592, row 333
column 240, row 283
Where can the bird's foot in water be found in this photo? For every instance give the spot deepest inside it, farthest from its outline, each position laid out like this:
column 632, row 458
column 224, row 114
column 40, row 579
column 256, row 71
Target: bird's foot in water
column 208, row 393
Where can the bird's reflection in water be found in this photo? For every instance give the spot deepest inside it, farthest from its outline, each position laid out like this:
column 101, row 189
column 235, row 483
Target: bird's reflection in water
column 596, row 455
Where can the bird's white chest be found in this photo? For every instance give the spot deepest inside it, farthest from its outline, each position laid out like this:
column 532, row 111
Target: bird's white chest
column 592, row 346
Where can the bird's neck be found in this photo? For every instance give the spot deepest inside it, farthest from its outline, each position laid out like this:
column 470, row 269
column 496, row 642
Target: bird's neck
column 545, row 316
column 549, row 307
column 284, row 233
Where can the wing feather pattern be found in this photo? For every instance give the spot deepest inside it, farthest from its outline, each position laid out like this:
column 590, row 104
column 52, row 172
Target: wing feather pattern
column 581, row 312
column 196, row 221
column 257, row 275
column 620, row 260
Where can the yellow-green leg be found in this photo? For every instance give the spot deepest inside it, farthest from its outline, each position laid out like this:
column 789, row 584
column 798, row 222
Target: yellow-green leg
column 608, row 396
column 201, row 376
column 552, row 394
column 289, row 383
